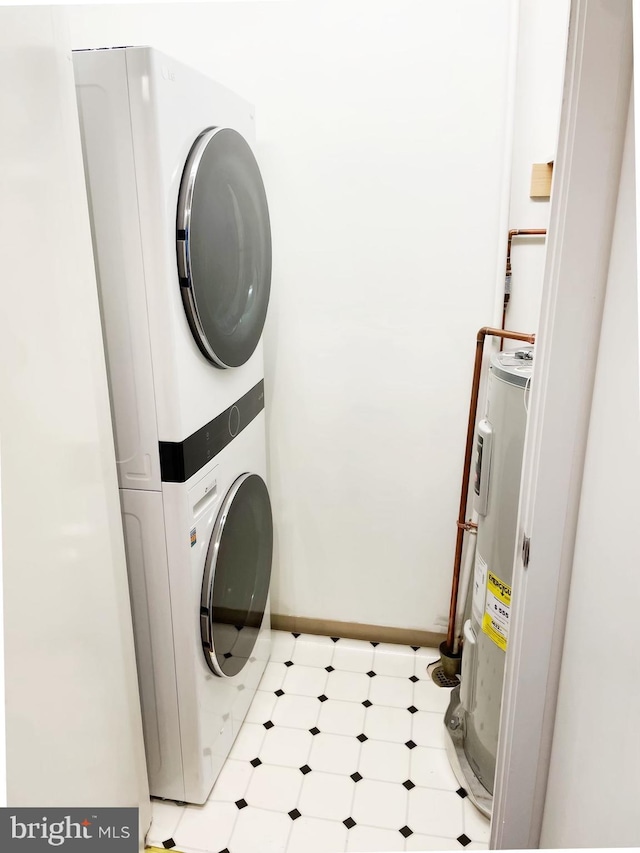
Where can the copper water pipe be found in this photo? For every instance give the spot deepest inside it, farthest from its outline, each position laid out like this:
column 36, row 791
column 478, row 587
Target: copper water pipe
column 471, row 427
column 515, row 232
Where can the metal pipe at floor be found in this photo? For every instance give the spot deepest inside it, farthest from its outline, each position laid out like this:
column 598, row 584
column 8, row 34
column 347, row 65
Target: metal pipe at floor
column 450, row 649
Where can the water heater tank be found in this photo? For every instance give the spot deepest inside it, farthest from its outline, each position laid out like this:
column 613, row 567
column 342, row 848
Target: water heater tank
column 473, row 716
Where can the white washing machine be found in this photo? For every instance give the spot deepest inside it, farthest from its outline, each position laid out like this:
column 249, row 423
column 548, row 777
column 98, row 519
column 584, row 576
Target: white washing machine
column 199, row 559
column 182, row 244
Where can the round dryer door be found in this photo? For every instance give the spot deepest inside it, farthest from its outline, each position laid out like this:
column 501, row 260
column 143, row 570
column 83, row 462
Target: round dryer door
column 236, row 576
column 224, row 247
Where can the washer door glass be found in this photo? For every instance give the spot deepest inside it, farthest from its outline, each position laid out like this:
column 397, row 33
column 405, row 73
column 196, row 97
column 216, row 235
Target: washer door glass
column 236, row 576
column 224, row 247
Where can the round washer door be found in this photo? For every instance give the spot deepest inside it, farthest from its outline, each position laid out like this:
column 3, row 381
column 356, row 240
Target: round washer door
column 224, row 247
column 236, row 578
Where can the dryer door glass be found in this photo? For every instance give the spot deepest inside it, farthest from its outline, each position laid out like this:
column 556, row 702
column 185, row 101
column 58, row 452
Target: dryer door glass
column 236, row 577
column 224, row 247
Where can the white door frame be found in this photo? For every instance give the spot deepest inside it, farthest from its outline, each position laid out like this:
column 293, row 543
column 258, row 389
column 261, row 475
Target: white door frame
column 586, row 177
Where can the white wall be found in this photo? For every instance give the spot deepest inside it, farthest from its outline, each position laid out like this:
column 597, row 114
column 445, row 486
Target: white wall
column 382, row 128
column 542, row 47
column 592, row 794
column 74, row 733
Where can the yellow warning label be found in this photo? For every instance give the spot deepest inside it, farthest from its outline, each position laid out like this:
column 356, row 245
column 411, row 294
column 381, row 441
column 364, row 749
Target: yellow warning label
column 495, row 622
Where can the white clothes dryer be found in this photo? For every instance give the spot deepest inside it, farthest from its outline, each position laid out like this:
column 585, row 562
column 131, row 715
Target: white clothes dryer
column 182, row 245
column 199, row 560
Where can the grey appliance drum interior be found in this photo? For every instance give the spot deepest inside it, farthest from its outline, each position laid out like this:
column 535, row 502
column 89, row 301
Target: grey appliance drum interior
column 237, row 573
column 224, row 247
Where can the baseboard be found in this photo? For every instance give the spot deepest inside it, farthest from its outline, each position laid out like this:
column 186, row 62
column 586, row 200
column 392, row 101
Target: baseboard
column 357, row 631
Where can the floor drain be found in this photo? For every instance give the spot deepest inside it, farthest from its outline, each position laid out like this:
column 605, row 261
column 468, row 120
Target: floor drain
column 440, row 678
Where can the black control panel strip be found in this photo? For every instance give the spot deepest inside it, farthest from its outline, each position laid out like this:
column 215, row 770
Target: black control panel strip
column 180, row 460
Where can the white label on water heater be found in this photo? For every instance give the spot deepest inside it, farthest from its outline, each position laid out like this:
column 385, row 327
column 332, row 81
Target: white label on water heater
column 479, row 588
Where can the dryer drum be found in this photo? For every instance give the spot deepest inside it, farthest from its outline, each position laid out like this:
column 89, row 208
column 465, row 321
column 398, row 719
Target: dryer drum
column 224, row 247
column 237, row 572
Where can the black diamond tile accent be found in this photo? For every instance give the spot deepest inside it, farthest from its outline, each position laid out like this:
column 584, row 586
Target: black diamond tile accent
column 335, row 639
column 374, row 644
column 294, row 814
column 256, row 762
column 329, row 668
column 227, row 655
column 463, row 839
column 314, row 731
column 371, row 673
column 288, row 663
column 367, row 704
column 462, row 793
column 295, row 635
column 305, row 769
column 168, row 844
column 406, row 831
column 362, row 738
column 349, row 823
column 279, row 692
column 412, row 709
column 226, row 850
column 268, row 724
column 242, row 804
column 410, row 744
column 323, row 698
column 415, row 648
column 414, row 678
column 356, row 777
column 408, row 784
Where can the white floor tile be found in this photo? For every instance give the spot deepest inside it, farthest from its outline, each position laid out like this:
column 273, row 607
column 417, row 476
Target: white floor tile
column 260, row 831
column 314, row 835
column 434, row 812
column 430, row 768
column 427, row 696
column 311, row 650
column 341, row 718
column 431, row 842
column 367, row 839
column 282, row 643
column 248, row 743
column 386, row 762
column 275, row 788
column 380, row 804
column 353, row 656
column 273, row 676
column 298, row 712
column 305, row 681
column 164, row 820
column 335, row 753
column 326, row 795
column 476, row 826
column 261, row 707
column 383, row 723
column 348, row 686
column 399, row 661
column 428, row 729
column 392, row 691
column 425, row 656
column 232, row 782
column 287, row 747
column 206, row 827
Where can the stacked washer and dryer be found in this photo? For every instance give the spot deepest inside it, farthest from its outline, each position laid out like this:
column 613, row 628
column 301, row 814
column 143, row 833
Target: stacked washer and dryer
column 182, row 246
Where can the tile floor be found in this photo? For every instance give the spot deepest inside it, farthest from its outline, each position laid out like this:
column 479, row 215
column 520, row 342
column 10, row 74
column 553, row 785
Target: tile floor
column 342, row 750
